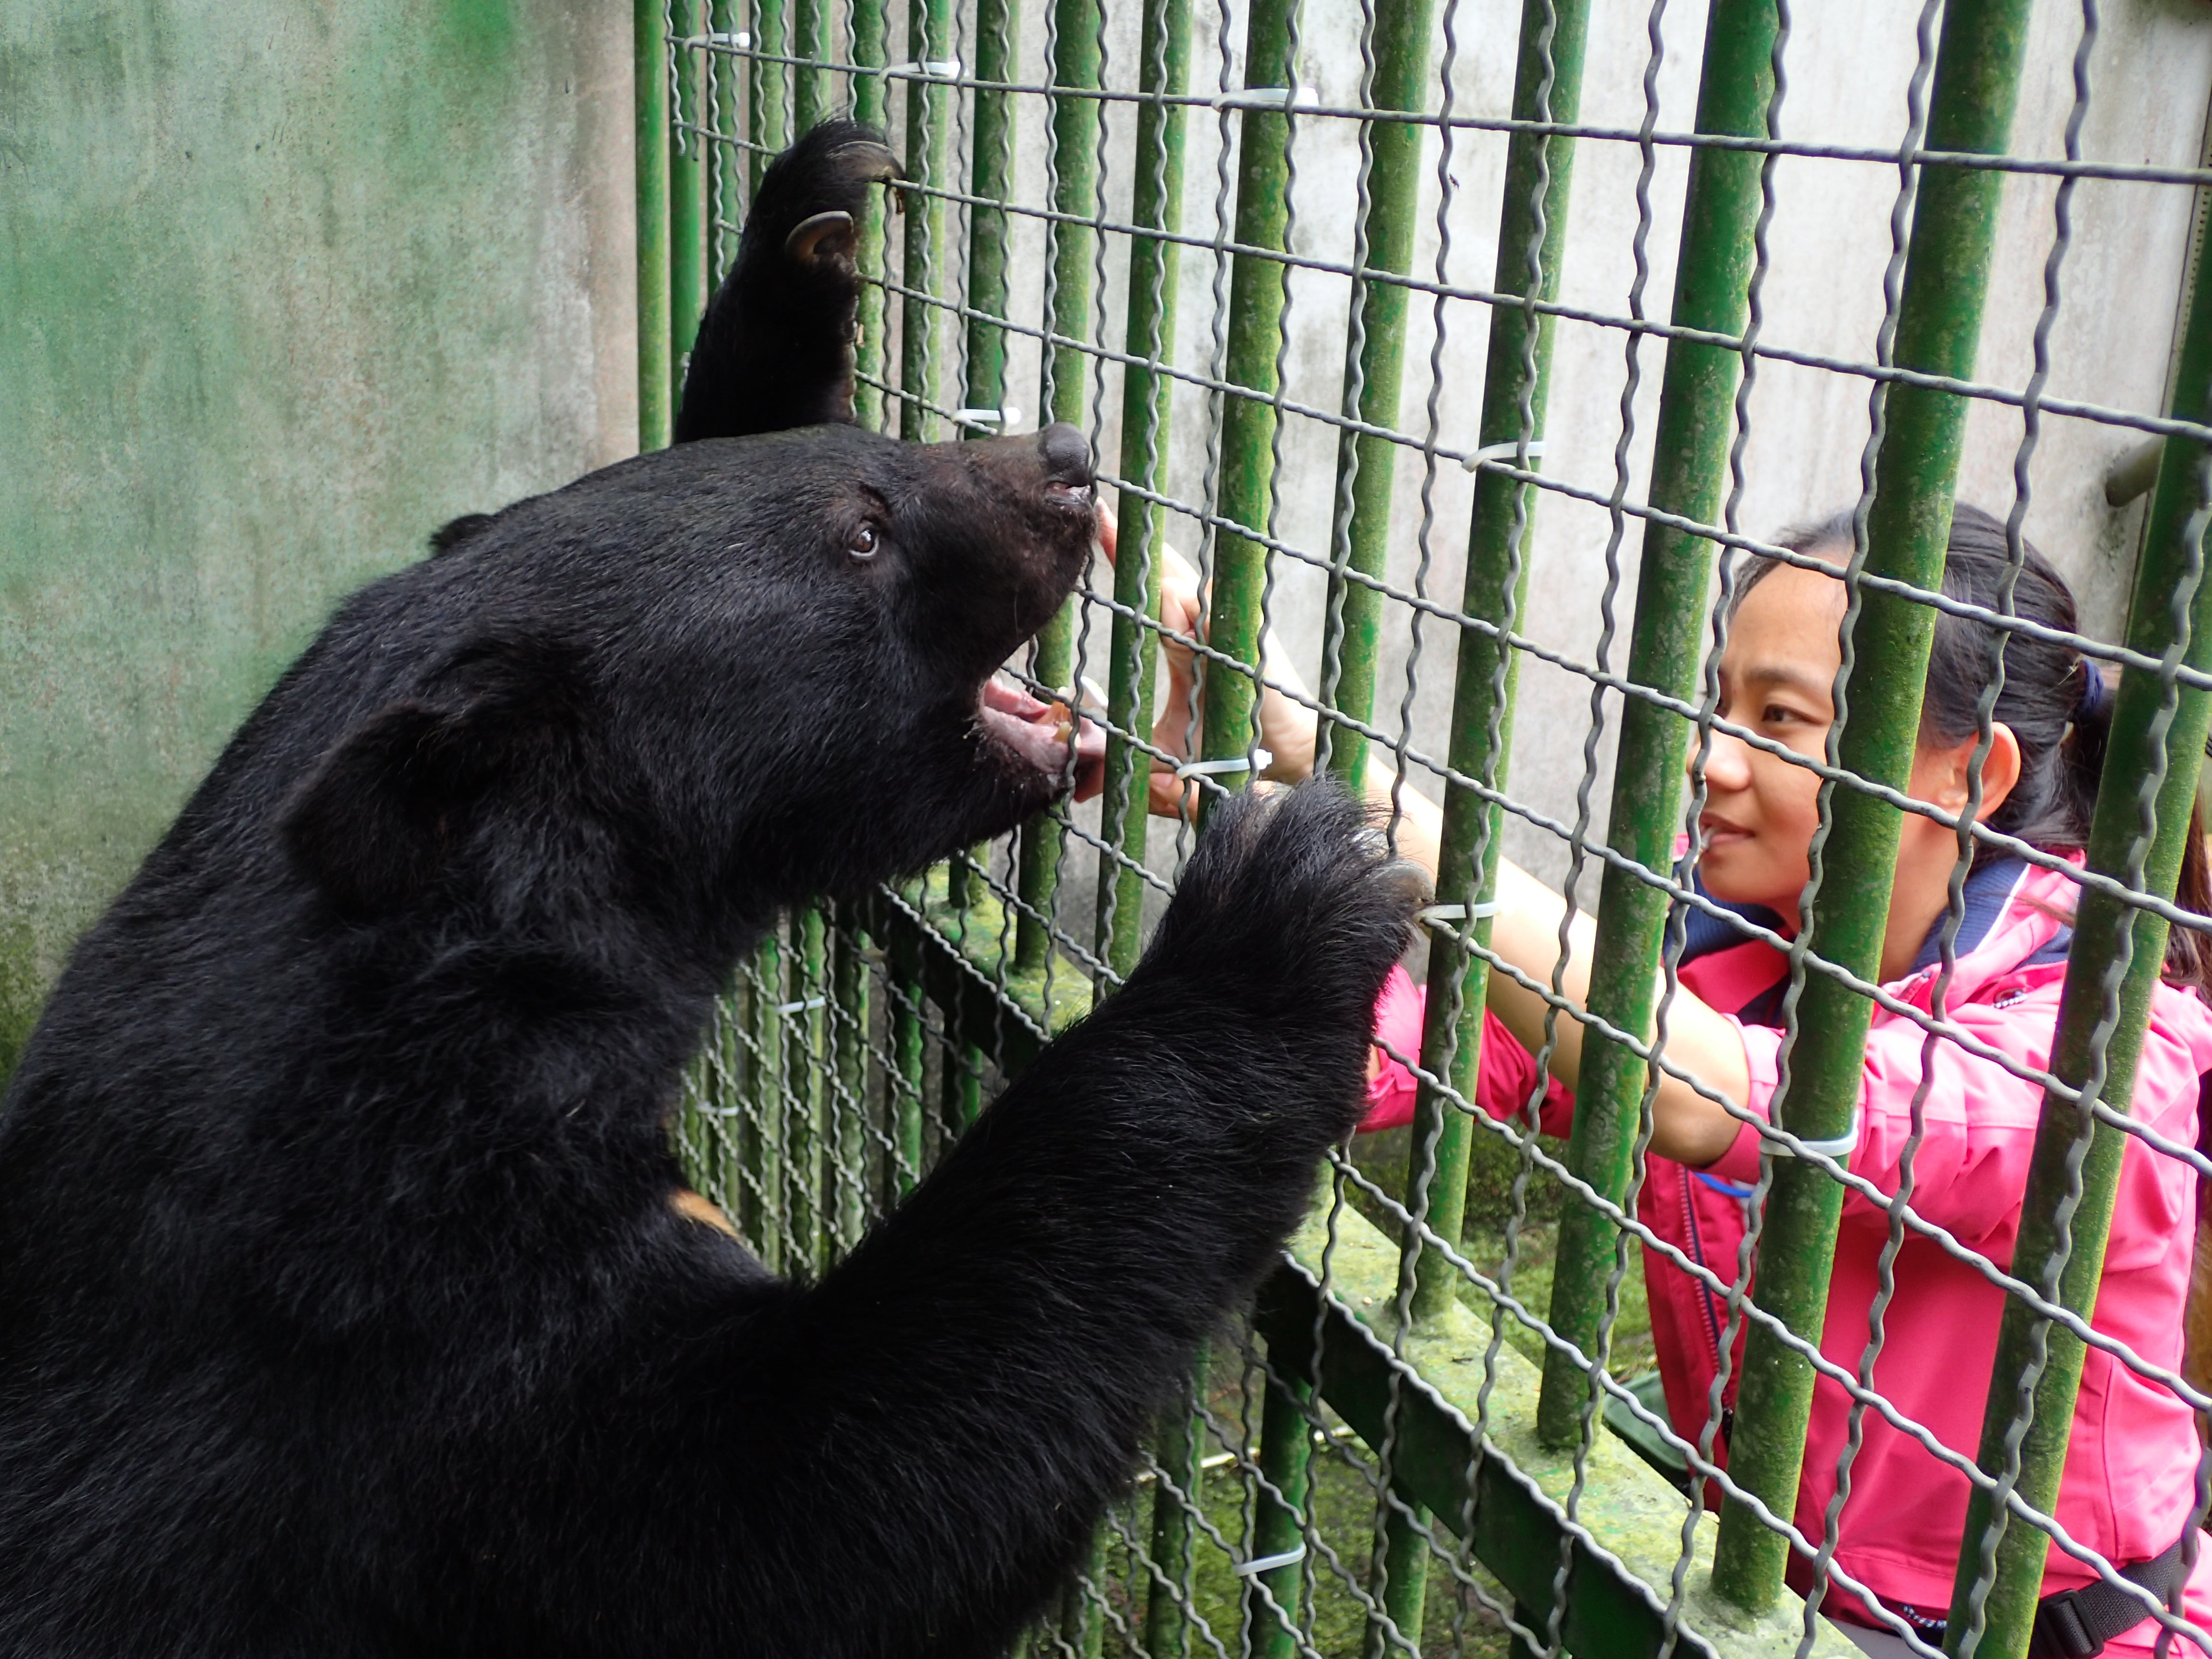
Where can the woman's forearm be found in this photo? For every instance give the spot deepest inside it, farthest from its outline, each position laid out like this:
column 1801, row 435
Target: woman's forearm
column 1686, row 1126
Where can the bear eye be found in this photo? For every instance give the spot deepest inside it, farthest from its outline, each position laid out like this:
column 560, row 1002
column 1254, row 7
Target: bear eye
column 862, row 542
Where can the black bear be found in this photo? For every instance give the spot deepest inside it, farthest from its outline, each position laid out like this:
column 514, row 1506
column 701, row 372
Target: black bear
column 344, row 1309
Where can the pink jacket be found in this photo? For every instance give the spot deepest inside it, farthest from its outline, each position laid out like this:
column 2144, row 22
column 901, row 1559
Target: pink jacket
column 2130, row 1467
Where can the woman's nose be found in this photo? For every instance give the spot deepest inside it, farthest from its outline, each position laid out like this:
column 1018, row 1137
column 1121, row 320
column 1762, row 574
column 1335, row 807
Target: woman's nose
column 1728, row 764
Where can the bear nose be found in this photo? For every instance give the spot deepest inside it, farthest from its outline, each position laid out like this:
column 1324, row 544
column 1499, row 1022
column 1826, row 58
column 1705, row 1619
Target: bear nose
column 1066, row 454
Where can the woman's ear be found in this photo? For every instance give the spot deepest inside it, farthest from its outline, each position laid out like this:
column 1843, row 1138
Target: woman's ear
column 2000, row 771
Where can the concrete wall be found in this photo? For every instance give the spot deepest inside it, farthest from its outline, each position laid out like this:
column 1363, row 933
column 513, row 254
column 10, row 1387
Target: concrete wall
column 284, row 285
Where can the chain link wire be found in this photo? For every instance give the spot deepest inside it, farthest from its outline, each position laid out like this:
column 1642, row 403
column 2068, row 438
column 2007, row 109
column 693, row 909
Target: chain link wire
column 799, row 1116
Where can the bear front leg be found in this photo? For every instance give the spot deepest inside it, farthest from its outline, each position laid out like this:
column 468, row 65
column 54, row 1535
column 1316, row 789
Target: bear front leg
column 912, row 1453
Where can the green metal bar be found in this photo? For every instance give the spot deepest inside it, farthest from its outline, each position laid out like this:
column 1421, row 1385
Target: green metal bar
column 1075, row 67
column 1401, row 40
column 1076, row 62
column 902, row 1090
column 961, row 1082
column 687, row 192
column 770, row 100
column 1689, row 473
column 656, row 412
column 760, row 1139
column 735, row 1022
column 802, row 1099
column 1163, row 69
column 1175, row 1449
column 1082, row 1630
column 1532, row 228
column 1257, row 288
column 726, row 171
column 1938, row 328
column 1286, row 1465
column 990, row 175
column 846, row 1180
column 814, row 98
column 870, row 106
column 929, row 103
column 1517, row 385
column 2066, row 1264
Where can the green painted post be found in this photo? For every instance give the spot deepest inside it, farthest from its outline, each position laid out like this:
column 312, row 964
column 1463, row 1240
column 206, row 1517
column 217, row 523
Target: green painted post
column 1256, row 310
column 1939, row 326
column 770, row 90
column 1175, row 1449
column 1074, row 157
column 761, row 1141
column 1689, row 473
column 814, row 99
column 1547, row 86
column 802, row 1097
column 727, row 173
column 1163, row 70
column 1286, row 1464
column 902, row 1089
column 871, row 106
column 1082, row 1632
column 2067, row 1265
column 1257, row 292
column 655, row 410
column 990, row 176
column 1368, row 465
column 843, row 1199
column 1539, row 176
column 688, row 222
column 961, row 1102
column 929, row 102
column 1076, row 63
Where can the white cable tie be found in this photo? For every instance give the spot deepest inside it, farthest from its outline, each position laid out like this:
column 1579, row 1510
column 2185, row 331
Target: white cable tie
column 943, row 68
column 1838, row 1147
column 1289, row 1557
column 1000, row 418
column 1429, row 915
column 1501, row 452
column 1260, row 761
column 805, row 1005
column 1269, row 97
column 741, row 40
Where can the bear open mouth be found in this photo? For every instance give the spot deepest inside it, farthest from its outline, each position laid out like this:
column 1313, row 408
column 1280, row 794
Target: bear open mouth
column 1037, row 735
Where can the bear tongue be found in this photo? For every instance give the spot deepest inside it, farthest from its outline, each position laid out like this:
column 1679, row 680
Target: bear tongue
column 1038, row 732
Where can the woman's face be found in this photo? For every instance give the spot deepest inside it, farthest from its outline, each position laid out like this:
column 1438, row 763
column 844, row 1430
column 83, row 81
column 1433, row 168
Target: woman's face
column 1777, row 679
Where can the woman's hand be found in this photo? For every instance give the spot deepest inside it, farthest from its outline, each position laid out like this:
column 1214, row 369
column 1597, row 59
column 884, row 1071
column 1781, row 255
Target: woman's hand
column 1288, row 727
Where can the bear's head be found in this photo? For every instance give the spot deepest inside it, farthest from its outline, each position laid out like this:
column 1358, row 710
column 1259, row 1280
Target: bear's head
column 729, row 675
column 715, row 679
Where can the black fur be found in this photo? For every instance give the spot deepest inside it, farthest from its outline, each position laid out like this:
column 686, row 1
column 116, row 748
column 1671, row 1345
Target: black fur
column 773, row 350
column 342, row 1308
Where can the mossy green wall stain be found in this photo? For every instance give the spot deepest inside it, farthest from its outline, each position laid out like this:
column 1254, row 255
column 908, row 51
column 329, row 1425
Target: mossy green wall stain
column 282, row 287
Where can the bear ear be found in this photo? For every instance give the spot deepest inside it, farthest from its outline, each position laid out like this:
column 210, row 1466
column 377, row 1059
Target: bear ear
column 825, row 237
column 380, row 817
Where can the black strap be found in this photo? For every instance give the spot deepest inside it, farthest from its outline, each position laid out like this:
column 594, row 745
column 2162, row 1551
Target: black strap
column 2076, row 1624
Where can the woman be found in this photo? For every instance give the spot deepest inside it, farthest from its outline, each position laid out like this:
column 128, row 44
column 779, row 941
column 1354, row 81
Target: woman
column 2129, row 1484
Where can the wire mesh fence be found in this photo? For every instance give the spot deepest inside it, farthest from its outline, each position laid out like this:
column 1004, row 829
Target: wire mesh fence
column 1416, row 476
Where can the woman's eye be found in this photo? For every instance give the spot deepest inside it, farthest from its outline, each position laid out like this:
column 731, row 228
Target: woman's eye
column 863, row 542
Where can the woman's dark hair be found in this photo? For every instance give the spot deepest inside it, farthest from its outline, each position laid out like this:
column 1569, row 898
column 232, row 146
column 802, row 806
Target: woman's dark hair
column 2060, row 719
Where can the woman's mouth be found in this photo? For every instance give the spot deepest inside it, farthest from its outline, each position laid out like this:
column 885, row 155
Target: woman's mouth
column 1714, row 832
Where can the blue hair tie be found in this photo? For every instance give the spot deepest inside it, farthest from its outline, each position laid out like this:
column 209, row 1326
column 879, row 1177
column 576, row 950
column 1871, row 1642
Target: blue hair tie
column 2095, row 694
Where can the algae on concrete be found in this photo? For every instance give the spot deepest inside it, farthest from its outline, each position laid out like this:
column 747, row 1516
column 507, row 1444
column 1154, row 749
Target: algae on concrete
column 283, row 287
